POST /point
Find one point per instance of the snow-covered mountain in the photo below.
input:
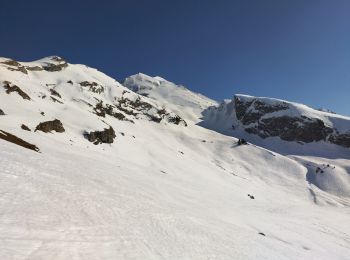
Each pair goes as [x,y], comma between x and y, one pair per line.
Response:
[91,169]
[269,120]
[179,99]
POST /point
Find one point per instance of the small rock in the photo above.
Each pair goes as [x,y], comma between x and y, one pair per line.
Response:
[251,196]
[24,127]
[242,141]
[2,113]
[55,93]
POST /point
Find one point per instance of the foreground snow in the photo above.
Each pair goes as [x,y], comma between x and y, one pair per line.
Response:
[142,199]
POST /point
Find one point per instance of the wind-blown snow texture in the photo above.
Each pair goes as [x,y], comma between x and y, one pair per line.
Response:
[166,188]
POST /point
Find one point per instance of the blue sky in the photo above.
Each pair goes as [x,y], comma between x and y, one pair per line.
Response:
[297,50]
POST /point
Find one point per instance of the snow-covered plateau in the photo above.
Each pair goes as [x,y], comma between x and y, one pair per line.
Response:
[91,168]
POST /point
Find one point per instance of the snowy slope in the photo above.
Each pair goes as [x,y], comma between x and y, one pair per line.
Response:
[161,190]
[179,99]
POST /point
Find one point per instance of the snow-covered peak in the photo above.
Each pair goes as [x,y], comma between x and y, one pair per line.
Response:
[186,103]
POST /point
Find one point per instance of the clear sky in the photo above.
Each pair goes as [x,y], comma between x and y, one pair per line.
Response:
[297,50]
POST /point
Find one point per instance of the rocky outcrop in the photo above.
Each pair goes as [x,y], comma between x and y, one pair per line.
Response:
[13,88]
[2,113]
[34,68]
[276,118]
[292,129]
[104,136]
[55,93]
[58,64]
[341,139]
[103,110]
[251,111]
[48,126]
[18,141]
[175,119]
[15,66]
[139,107]
[93,87]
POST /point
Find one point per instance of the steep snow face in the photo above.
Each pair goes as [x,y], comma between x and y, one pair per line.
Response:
[268,117]
[152,188]
[179,99]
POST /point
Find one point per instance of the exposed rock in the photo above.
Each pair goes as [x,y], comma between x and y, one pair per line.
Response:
[56,100]
[15,66]
[55,93]
[55,67]
[93,86]
[13,88]
[251,196]
[341,139]
[257,117]
[59,64]
[70,82]
[20,68]
[34,68]
[251,111]
[2,113]
[49,126]
[175,119]
[105,136]
[15,140]
[11,63]
[101,111]
[24,127]
[242,141]
[139,107]
[57,58]
[292,129]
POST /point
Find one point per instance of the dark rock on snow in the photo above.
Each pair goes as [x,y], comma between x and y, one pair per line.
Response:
[104,136]
[49,126]
[24,127]
[2,113]
[15,66]
[58,65]
[93,86]
[13,88]
[15,140]
[55,93]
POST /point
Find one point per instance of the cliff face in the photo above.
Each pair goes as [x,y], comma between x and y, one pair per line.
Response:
[268,117]
[289,121]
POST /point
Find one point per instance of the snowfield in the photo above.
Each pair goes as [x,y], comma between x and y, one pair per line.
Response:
[160,190]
